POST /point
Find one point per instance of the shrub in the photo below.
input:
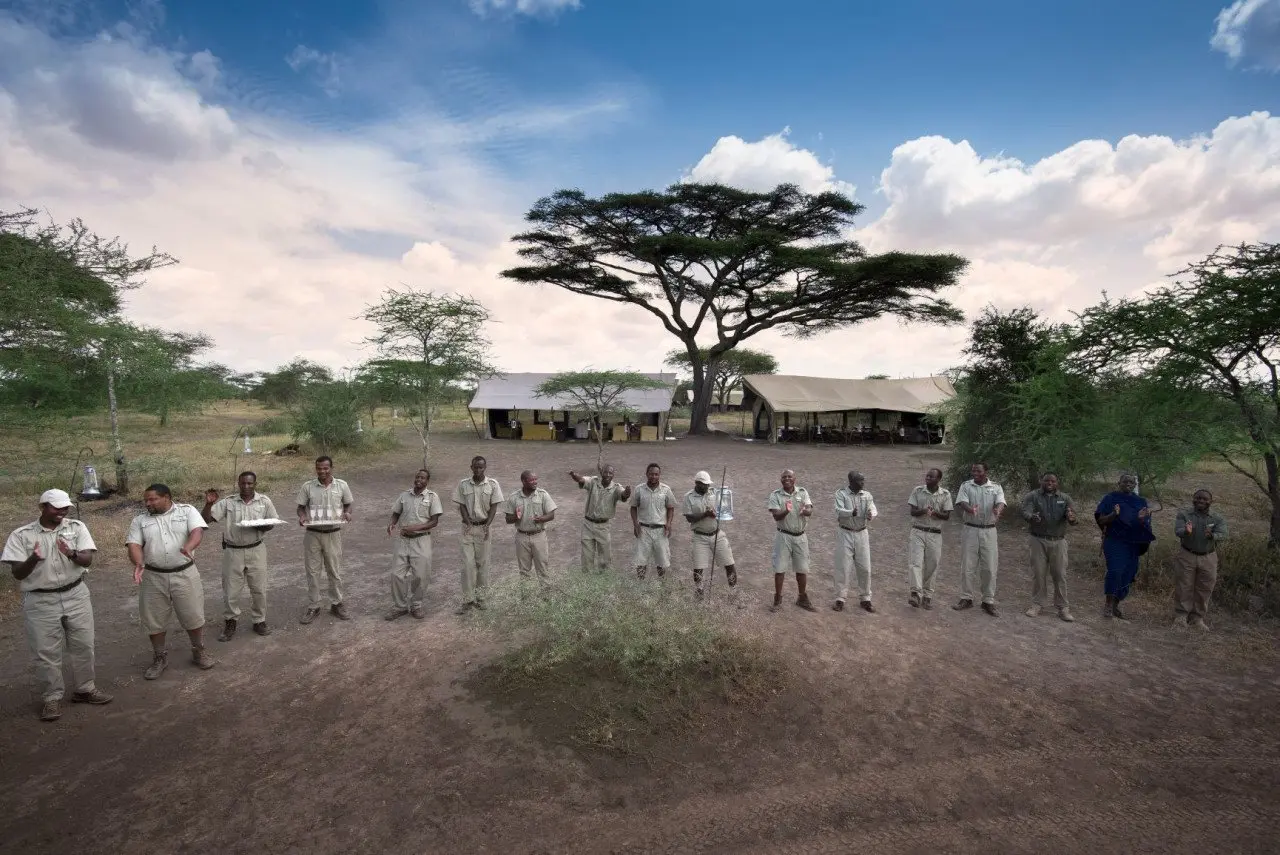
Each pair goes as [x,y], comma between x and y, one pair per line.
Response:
[328,415]
[280,425]
[1247,573]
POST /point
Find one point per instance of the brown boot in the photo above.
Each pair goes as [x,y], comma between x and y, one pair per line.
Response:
[339,611]
[228,630]
[97,697]
[159,661]
[803,602]
[201,658]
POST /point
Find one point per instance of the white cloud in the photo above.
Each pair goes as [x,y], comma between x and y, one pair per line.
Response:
[524,7]
[764,164]
[323,65]
[1249,30]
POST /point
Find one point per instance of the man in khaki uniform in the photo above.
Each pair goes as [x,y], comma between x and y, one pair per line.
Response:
[244,552]
[791,507]
[477,498]
[529,509]
[416,512]
[1196,564]
[49,558]
[930,505]
[1049,512]
[981,501]
[603,496]
[855,508]
[710,543]
[324,506]
[653,507]
[162,543]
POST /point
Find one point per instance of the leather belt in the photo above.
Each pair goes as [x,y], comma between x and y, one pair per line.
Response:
[416,536]
[324,530]
[653,525]
[930,530]
[226,545]
[66,587]
[596,521]
[981,525]
[792,533]
[707,533]
[1201,554]
[155,569]
[851,528]
[529,533]
[1049,536]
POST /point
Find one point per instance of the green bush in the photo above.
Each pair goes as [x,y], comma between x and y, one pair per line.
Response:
[328,415]
[1248,574]
[280,425]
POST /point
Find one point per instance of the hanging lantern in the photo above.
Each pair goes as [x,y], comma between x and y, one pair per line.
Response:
[359,426]
[248,448]
[724,504]
[90,485]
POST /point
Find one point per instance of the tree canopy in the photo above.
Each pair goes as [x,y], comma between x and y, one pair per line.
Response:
[707,259]
[729,368]
[601,394]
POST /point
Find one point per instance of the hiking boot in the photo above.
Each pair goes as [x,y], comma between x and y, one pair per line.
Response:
[732,577]
[1180,622]
[51,711]
[159,662]
[261,628]
[867,607]
[228,630]
[464,608]
[1200,626]
[97,697]
[309,615]
[1065,614]
[418,612]
[927,603]
[201,658]
[962,605]
[803,602]
[1034,611]
[839,606]
[914,600]
[640,571]
[1115,612]
[339,611]
[395,613]
[990,608]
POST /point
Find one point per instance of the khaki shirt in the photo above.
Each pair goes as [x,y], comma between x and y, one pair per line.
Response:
[55,569]
[1052,508]
[324,503]
[535,504]
[792,523]
[695,504]
[414,509]
[651,505]
[1199,540]
[162,536]
[847,501]
[478,498]
[940,501]
[982,499]
[602,501]
[234,510]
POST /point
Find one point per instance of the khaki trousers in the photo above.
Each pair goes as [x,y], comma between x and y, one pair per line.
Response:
[979,560]
[43,616]
[475,563]
[322,553]
[652,547]
[924,554]
[241,568]
[162,595]
[710,549]
[532,554]
[410,571]
[597,546]
[790,553]
[1194,579]
[1048,561]
[853,552]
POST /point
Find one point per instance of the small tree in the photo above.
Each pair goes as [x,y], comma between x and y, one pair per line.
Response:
[600,394]
[427,344]
[728,369]
[286,386]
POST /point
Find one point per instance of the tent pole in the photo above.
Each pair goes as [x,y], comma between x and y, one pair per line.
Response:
[472,416]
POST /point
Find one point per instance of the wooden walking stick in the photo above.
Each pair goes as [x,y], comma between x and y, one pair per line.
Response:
[715,541]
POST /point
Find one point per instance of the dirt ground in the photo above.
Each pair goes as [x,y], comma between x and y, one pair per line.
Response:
[911,731]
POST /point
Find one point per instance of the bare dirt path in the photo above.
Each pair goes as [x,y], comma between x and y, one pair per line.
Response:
[914,732]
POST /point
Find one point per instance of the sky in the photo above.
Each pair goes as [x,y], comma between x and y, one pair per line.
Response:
[301,157]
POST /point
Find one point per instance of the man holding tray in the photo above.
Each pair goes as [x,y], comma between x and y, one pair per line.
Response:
[324,506]
[247,516]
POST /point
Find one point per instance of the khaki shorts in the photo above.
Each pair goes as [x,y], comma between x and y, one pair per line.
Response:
[790,553]
[652,547]
[162,595]
[703,559]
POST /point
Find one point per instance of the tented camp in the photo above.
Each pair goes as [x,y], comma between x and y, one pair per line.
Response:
[787,408]
[511,410]
[733,400]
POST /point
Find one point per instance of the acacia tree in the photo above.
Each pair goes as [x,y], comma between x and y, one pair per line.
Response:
[427,344]
[706,258]
[729,369]
[601,394]
[1217,328]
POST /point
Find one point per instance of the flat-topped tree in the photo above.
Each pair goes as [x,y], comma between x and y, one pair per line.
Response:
[729,369]
[706,258]
[602,394]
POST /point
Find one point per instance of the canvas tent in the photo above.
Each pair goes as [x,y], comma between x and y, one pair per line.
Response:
[511,410]
[733,400]
[789,407]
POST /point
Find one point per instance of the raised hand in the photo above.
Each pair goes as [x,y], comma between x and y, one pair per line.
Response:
[210,496]
[1144,513]
[1189,528]
[1115,512]
[64,549]
[36,553]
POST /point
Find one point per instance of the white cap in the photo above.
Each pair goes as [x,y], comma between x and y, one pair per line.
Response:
[56,498]
[702,478]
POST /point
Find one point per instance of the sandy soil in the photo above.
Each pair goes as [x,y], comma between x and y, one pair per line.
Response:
[911,731]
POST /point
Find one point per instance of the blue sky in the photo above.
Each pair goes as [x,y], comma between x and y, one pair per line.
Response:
[438,123]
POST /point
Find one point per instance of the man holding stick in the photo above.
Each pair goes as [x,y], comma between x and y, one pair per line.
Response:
[710,544]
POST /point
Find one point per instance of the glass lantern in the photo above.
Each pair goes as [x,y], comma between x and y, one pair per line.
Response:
[724,503]
[248,448]
[90,484]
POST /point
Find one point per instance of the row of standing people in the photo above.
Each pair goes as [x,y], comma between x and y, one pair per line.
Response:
[49,557]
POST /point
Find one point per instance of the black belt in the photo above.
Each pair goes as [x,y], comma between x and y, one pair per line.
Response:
[792,533]
[594,520]
[416,536]
[1201,554]
[324,530]
[529,533]
[930,530]
[155,569]
[1049,536]
[654,525]
[851,528]
[981,525]
[707,533]
[226,545]
[66,587]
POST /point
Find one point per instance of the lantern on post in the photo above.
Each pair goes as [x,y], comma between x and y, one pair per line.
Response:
[248,448]
[89,486]
[359,426]
[724,503]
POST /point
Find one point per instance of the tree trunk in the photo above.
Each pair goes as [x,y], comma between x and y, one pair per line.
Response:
[703,389]
[1273,491]
[122,470]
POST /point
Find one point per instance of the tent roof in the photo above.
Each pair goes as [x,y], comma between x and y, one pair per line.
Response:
[791,394]
[515,392]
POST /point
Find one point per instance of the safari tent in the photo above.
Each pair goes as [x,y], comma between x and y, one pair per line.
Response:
[511,410]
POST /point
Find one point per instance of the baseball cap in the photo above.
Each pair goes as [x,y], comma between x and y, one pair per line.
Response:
[702,478]
[56,498]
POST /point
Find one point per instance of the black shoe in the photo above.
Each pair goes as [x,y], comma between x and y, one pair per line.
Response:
[339,611]
[962,605]
[867,607]
[914,600]
[990,608]
[228,630]
[262,629]
[1115,611]
[464,608]
[927,604]
[839,606]
[308,616]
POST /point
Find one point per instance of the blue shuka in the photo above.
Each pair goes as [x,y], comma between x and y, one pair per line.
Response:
[1124,540]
